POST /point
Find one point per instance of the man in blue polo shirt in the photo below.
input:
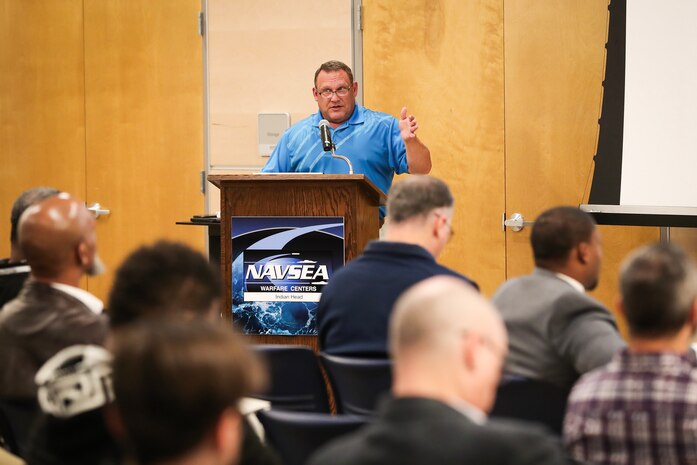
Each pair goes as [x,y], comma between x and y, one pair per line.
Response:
[377,144]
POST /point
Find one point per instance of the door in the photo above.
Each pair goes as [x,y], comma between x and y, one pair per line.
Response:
[42,110]
[554,65]
[113,115]
[144,110]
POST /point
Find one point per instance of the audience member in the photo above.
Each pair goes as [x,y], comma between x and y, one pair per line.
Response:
[14,270]
[448,345]
[75,388]
[57,237]
[165,278]
[641,408]
[355,306]
[171,280]
[557,332]
[177,385]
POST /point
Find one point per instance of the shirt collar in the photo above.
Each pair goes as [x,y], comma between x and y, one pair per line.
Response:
[394,247]
[572,282]
[470,411]
[91,301]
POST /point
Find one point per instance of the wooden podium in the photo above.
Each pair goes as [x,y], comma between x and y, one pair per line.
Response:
[351,196]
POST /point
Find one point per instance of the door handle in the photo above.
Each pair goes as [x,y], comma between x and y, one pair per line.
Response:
[97,210]
[516,222]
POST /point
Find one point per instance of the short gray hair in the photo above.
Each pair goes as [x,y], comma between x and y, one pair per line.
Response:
[416,196]
[659,286]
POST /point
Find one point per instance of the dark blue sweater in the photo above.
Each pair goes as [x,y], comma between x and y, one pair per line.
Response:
[355,307]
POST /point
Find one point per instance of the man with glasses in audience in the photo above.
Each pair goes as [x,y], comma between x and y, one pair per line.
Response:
[448,345]
[355,306]
[377,144]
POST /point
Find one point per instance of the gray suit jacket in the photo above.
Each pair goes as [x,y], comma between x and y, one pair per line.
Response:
[556,333]
[420,431]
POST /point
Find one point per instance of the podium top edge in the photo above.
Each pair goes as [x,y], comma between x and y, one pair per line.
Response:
[218,179]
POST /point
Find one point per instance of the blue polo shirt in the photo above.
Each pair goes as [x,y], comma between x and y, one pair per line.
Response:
[370,139]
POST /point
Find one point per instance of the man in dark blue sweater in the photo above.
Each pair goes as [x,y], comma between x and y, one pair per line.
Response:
[355,307]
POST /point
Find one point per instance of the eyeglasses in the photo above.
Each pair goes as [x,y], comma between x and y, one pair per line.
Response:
[340,92]
[448,222]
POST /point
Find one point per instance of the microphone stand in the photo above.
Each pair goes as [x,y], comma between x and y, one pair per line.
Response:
[348,162]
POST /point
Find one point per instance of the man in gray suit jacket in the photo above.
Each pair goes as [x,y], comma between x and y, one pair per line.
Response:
[557,332]
[448,344]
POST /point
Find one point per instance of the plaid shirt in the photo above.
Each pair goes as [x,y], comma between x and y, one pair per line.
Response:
[640,409]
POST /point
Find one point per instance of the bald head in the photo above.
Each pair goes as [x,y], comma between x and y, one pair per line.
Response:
[448,342]
[57,238]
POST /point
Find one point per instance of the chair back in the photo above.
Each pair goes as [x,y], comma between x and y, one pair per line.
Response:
[297,435]
[358,383]
[7,435]
[532,400]
[295,378]
[12,278]
[17,418]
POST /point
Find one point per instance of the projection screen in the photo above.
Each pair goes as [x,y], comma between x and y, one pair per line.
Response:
[647,150]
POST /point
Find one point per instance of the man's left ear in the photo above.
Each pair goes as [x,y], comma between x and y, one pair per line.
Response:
[469,350]
[437,225]
[83,254]
[583,252]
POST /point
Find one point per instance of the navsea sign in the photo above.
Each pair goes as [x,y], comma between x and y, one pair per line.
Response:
[279,267]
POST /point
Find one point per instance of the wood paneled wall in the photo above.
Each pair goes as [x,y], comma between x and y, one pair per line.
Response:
[104,99]
[42,107]
[508,95]
[444,60]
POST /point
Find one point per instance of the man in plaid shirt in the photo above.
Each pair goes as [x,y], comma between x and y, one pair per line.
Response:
[641,408]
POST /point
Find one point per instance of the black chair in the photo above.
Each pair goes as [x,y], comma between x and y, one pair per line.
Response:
[532,400]
[12,278]
[19,416]
[7,435]
[295,381]
[358,383]
[297,435]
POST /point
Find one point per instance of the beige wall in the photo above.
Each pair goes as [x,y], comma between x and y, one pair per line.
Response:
[261,58]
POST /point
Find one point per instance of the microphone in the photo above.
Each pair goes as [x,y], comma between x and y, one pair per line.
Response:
[328,145]
[326,136]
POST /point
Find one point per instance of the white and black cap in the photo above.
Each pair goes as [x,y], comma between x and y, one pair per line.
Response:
[75,380]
